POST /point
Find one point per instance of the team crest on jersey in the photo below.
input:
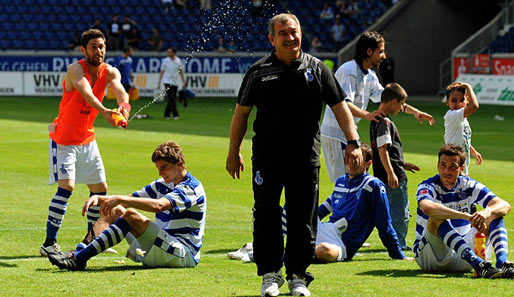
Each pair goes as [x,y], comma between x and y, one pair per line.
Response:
[423,192]
[308,75]
[258,179]
[269,77]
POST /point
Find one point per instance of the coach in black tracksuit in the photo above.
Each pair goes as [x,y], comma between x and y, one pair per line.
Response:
[288,88]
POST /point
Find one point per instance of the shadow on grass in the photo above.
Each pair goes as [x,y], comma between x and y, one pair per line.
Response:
[221,251]
[13,258]
[7,258]
[95,269]
[7,265]
[414,273]
[367,250]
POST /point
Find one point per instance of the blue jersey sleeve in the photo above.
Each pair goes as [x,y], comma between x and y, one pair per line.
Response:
[425,191]
[148,191]
[325,208]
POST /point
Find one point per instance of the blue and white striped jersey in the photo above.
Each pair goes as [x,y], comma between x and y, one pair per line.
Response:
[467,192]
[186,219]
[363,201]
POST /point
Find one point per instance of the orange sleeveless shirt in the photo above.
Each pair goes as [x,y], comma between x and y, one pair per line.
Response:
[74,124]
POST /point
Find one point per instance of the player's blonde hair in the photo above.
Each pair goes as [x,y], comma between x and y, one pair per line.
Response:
[170,152]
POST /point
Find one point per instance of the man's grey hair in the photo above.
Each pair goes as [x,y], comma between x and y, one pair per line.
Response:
[282,18]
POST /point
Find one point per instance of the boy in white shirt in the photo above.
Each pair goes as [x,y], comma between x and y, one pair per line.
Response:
[462,102]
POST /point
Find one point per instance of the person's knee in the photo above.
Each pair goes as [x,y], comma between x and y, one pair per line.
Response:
[66,184]
[138,223]
[131,215]
[326,253]
[98,188]
[433,225]
[116,213]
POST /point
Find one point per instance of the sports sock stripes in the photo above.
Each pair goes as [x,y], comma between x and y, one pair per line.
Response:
[93,213]
[456,242]
[113,235]
[499,240]
[56,212]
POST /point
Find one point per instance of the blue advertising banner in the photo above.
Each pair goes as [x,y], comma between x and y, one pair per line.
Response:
[220,64]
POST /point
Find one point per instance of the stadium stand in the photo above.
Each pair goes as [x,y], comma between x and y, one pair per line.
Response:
[503,43]
[49,25]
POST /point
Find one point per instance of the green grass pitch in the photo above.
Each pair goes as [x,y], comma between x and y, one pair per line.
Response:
[202,131]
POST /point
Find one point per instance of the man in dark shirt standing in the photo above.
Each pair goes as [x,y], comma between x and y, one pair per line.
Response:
[288,88]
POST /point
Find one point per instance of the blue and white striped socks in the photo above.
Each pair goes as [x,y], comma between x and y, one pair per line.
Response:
[456,242]
[499,240]
[93,213]
[113,235]
[56,212]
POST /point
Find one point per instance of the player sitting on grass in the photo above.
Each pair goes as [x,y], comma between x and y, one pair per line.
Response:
[358,204]
[444,233]
[176,236]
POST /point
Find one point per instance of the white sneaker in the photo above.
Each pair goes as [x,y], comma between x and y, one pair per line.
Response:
[271,283]
[244,254]
[297,286]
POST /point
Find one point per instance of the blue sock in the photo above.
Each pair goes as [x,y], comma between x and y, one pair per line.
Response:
[80,247]
[499,240]
[93,213]
[113,235]
[56,212]
[456,242]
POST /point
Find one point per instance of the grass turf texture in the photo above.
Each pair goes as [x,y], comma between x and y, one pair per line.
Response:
[202,131]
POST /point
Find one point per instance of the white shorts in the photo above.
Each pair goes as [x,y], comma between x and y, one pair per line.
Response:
[81,163]
[333,151]
[158,256]
[328,232]
[450,260]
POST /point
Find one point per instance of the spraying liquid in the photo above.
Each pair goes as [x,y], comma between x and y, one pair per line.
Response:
[222,21]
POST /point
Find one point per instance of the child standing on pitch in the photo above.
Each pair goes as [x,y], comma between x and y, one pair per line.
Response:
[462,102]
[388,164]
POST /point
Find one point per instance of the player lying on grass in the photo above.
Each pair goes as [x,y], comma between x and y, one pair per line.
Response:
[176,236]
[358,204]
[444,233]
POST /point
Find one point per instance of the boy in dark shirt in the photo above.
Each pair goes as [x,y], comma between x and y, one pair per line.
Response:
[388,164]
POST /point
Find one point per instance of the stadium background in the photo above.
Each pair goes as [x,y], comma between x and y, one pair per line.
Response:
[429,40]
